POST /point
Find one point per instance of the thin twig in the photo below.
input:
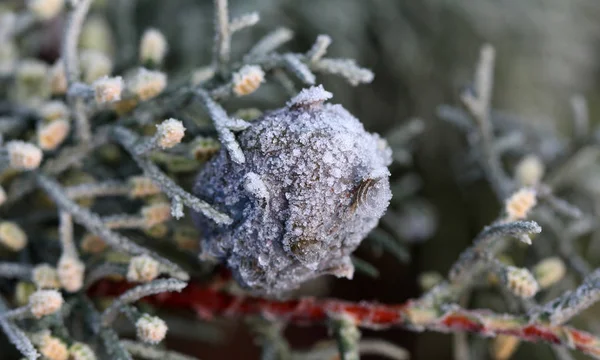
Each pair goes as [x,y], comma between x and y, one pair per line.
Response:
[221,121]
[71,38]
[145,351]
[16,336]
[106,188]
[479,105]
[138,292]
[93,223]
[14,270]
[71,64]
[128,139]
[65,230]
[222,36]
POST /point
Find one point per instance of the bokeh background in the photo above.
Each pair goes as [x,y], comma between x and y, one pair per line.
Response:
[422,52]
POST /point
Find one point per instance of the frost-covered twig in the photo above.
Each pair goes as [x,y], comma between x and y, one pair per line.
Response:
[14,270]
[112,344]
[376,347]
[135,187]
[298,68]
[152,288]
[346,68]
[269,43]
[319,48]
[119,221]
[486,244]
[19,313]
[109,337]
[145,351]
[269,334]
[478,102]
[16,336]
[128,139]
[243,22]
[71,38]
[65,230]
[347,336]
[571,303]
[106,188]
[70,269]
[74,155]
[67,158]
[102,271]
[565,240]
[71,64]
[222,36]
[558,205]
[221,121]
[93,223]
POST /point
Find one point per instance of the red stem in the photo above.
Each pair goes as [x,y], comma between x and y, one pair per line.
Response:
[209,302]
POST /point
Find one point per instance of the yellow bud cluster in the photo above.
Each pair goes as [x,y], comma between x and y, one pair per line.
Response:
[520,204]
[150,329]
[45,277]
[529,171]
[141,186]
[520,282]
[23,155]
[12,236]
[70,273]
[81,351]
[51,135]
[153,47]
[549,271]
[156,214]
[108,89]
[45,302]
[92,244]
[146,84]
[53,110]
[169,133]
[45,9]
[247,80]
[53,348]
[142,268]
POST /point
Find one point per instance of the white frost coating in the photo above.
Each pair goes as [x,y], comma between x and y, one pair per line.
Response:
[255,186]
[379,173]
[224,126]
[318,210]
[237,124]
[310,96]
[302,71]
[177,208]
[346,68]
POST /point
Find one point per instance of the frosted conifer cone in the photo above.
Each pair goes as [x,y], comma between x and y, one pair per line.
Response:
[313,185]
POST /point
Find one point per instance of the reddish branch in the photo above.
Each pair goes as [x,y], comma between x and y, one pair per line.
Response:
[208,302]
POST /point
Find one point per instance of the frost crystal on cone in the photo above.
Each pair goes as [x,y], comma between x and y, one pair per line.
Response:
[313,185]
